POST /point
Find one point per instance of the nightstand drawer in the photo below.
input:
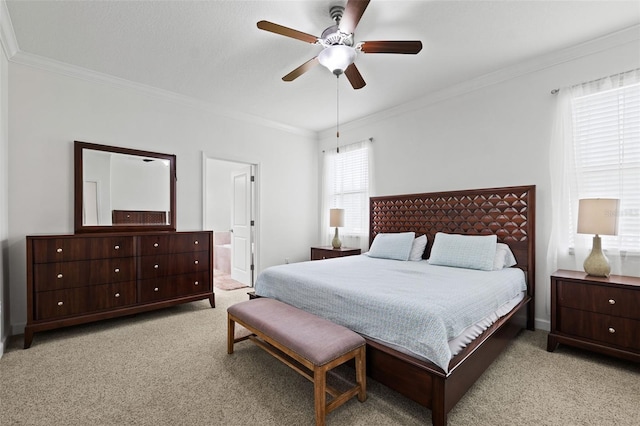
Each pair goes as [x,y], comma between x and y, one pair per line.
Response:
[621,332]
[597,298]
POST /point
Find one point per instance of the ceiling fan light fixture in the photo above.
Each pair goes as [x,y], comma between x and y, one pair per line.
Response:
[337,58]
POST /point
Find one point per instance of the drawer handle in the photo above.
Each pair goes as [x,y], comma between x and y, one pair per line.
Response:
[59,276]
[156,266]
[117,294]
[612,302]
[196,283]
[155,244]
[116,247]
[155,289]
[612,330]
[117,270]
[195,242]
[60,303]
[196,262]
[59,250]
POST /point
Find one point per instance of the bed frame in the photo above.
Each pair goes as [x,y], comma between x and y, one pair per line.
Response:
[509,213]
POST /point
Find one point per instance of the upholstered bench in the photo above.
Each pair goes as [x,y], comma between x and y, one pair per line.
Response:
[309,344]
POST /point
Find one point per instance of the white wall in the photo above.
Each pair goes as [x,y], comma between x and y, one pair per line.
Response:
[138,185]
[494,136]
[48,111]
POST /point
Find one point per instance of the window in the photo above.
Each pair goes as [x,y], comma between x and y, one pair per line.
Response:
[346,185]
[351,188]
[606,153]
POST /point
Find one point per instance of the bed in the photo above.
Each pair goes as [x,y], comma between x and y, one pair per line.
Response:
[431,379]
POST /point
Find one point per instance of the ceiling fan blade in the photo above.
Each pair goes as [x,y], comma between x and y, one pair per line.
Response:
[407,47]
[354,77]
[288,32]
[352,14]
[301,69]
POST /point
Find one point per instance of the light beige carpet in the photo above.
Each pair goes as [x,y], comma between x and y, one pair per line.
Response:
[171,368]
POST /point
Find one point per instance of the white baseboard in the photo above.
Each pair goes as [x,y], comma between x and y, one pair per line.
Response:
[542,324]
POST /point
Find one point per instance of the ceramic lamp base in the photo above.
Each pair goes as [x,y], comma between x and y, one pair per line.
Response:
[597,264]
[336,243]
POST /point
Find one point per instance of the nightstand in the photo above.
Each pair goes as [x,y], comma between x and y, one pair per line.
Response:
[598,314]
[328,252]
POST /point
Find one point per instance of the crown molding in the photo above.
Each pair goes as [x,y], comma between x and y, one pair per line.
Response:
[73,71]
[13,54]
[7,35]
[539,63]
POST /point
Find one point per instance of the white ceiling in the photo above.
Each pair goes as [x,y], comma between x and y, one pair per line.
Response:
[213,52]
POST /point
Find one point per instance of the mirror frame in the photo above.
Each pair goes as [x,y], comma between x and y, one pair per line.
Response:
[78,189]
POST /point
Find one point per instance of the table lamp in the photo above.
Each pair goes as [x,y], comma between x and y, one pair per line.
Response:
[336,219]
[597,216]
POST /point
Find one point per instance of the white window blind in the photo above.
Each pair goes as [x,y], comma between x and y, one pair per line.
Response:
[606,142]
[350,189]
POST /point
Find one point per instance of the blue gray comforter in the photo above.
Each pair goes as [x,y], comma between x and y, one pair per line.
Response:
[412,306]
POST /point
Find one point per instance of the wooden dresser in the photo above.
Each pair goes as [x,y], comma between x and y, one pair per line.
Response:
[599,314]
[75,279]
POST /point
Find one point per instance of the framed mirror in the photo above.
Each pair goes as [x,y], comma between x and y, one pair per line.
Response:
[120,189]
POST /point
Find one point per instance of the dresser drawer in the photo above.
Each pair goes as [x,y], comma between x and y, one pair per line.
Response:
[81,300]
[599,298]
[61,303]
[114,295]
[175,264]
[174,286]
[621,332]
[173,243]
[60,275]
[48,250]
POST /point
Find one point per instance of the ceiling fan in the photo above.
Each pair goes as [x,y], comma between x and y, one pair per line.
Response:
[339,49]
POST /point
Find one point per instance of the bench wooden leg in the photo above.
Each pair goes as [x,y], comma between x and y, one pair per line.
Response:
[320,394]
[230,334]
[361,374]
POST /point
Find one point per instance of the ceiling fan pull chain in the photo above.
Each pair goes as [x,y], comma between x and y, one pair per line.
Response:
[337,113]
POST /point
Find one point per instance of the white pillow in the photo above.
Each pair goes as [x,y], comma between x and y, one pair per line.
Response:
[504,257]
[417,249]
[392,246]
[464,251]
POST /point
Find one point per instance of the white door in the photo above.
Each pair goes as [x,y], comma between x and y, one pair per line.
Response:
[241,226]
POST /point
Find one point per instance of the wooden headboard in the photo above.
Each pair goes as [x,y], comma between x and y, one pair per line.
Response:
[507,212]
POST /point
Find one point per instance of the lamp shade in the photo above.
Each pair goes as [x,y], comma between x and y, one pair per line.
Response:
[337,58]
[598,216]
[336,218]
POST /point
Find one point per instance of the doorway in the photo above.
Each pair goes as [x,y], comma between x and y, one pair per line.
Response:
[229,204]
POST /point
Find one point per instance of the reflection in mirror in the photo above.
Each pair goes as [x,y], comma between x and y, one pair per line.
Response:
[123,188]
[117,185]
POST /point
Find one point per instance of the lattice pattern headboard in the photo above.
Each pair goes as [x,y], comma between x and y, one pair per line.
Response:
[507,212]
